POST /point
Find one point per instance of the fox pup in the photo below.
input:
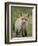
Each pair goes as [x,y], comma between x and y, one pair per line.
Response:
[21,26]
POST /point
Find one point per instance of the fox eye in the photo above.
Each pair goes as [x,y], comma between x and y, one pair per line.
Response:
[22,18]
[25,19]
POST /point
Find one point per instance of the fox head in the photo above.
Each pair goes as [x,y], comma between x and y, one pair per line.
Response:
[25,18]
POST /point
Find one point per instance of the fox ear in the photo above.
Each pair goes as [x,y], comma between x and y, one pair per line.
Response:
[27,15]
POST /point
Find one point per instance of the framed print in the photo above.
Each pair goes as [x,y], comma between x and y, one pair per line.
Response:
[20,22]
[37,23]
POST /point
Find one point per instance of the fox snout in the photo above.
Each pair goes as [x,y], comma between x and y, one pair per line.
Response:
[23,22]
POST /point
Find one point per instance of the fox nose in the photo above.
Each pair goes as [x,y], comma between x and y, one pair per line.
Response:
[23,22]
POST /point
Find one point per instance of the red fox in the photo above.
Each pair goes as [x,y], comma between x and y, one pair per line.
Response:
[21,25]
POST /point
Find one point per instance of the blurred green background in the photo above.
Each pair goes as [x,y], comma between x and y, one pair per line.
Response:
[16,12]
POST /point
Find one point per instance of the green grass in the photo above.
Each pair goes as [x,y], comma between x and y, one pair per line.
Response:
[29,33]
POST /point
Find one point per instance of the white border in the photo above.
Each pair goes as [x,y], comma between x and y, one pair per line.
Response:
[33,24]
